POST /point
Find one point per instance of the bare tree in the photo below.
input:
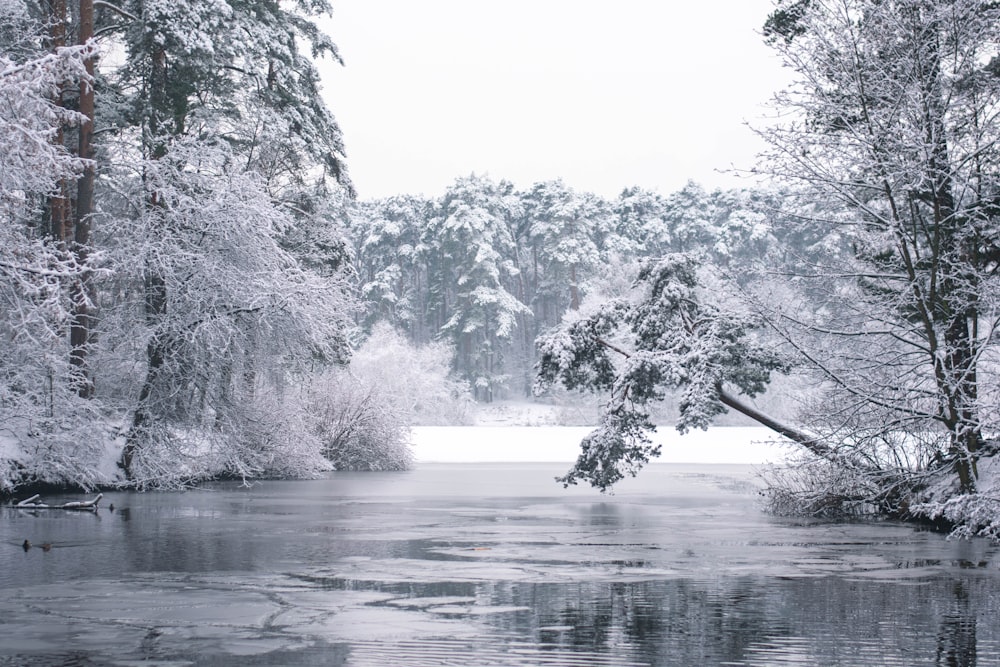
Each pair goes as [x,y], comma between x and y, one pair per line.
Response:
[891,125]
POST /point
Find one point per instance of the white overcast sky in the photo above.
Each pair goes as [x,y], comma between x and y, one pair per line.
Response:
[604,95]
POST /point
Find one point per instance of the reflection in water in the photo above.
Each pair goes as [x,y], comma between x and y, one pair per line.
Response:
[417,569]
[745,621]
[956,641]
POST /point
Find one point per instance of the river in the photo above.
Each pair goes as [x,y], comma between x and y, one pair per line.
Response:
[486,564]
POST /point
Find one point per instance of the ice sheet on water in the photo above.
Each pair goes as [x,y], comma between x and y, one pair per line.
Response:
[380,623]
[426,602]
[373,570]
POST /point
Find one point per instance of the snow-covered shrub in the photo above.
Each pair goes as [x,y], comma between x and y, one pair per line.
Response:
[170,458]
[966,514]
[73,448]
[259,437]
[359,426]
[414,378]
[272,439]
[969,514]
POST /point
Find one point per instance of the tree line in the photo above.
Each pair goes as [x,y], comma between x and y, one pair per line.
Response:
[487,267]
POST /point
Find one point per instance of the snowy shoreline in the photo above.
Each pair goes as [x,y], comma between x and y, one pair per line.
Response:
[561,444]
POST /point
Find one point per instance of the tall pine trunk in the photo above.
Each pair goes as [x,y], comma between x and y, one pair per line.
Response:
[81,288]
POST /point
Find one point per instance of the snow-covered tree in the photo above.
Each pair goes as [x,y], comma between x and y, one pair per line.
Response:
[239,311]
[564,230]
[640,221]
[391,261]
[892,123]
[667,335]
[729,226]
[471,247]
[38,389]
[33,162]
[233,68]
[238,155]
[67,216]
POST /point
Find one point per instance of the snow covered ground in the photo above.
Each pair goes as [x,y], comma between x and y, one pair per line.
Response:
[528,433]
[509,432]
[544,444]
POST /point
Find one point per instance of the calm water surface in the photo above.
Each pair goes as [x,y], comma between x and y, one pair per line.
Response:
[486,564]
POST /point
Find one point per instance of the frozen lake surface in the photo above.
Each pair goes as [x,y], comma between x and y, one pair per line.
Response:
[486,564]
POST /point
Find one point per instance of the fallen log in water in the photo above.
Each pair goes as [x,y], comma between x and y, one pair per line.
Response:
[33,504]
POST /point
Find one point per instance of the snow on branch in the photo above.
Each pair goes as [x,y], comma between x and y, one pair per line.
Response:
[666,338]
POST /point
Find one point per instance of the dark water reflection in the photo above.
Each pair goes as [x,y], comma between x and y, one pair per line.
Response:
[486,565]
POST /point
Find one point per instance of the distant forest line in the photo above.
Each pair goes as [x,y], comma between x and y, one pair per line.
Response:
[486,267]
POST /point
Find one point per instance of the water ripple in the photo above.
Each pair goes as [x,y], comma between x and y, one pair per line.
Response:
[494,653]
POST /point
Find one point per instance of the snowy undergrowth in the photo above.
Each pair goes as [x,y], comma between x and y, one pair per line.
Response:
[266,442]
[175,458]
[808,486]
[811,486]
[58,452]
[362,414]
[414,379]
[344,418]
[968,514]
[358,426]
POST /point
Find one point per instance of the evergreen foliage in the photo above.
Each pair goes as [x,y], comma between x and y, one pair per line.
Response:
[489,268]
[669,337]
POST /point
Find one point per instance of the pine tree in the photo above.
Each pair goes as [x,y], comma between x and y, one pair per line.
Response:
[471,247]
[391,260]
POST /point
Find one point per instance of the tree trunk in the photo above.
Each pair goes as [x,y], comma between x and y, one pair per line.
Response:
[815,446]
[143,417]
[954,307]
[155,297]
[574,289]
[81,290]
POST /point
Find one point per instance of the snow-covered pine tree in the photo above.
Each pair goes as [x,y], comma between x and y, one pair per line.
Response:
[39,403]
[639,221]
[668,336]
[470,246]
[564,230]
[391,261]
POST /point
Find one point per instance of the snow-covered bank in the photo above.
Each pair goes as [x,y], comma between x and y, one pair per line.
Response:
[537,444]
